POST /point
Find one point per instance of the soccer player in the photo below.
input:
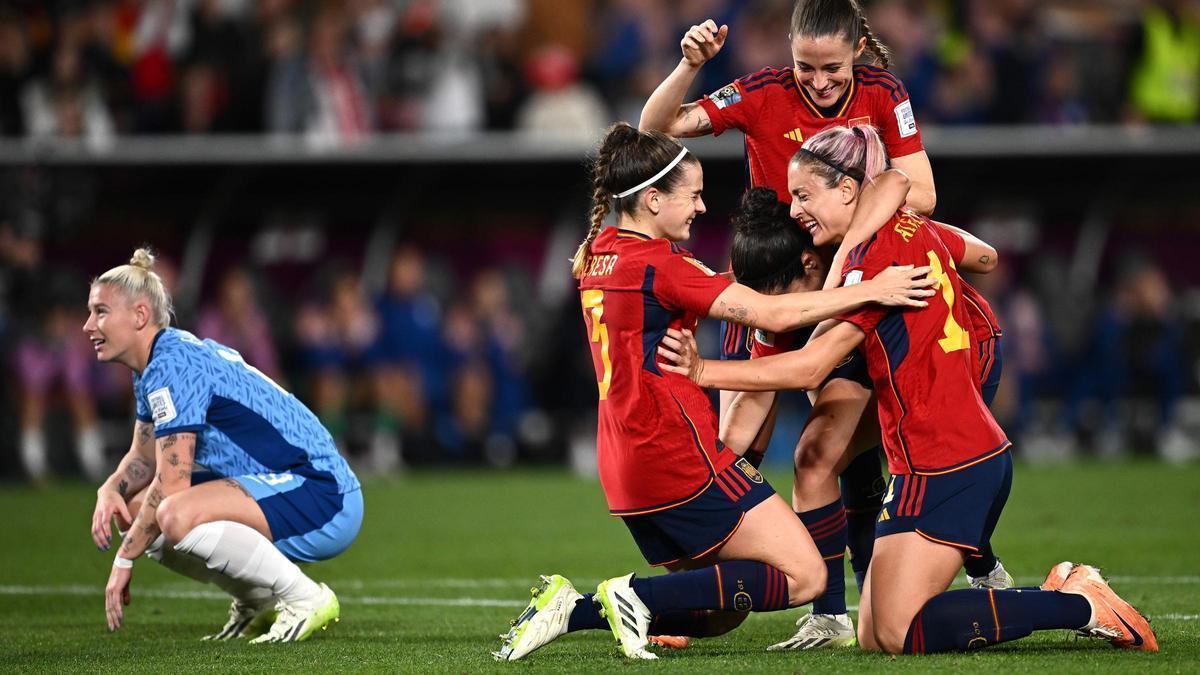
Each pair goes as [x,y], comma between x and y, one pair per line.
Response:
[690,504]
[949,460]
[777,109]
[229,478]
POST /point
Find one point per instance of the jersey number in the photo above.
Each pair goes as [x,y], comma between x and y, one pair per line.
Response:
[594,301]
[955,337]
[237,358]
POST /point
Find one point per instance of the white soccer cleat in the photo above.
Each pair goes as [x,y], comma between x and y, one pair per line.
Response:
[997,580]
[246,620]
[542,621]
[298,621]
[820,631]
[627,615]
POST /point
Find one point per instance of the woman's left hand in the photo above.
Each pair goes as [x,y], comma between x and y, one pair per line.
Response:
[678,348]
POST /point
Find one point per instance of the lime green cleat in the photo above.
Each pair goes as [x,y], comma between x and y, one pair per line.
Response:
[246,620]
[627,615]
[542,621]
[297,622]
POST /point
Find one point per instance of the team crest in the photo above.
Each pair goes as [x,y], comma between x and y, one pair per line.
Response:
[726,96]
[864,121]
[742,602]
[748,469]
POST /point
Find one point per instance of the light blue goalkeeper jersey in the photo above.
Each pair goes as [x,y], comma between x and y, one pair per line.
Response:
[244,422]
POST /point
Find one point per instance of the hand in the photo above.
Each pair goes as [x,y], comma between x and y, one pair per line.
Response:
[903,286]
[108,504]
[702,42]
[116,594]
[679,349]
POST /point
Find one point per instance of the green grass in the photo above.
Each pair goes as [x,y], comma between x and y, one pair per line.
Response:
[433,538]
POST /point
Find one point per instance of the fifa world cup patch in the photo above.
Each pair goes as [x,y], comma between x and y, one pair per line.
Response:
[764,338]
[700,266]
[905,119]
[162,408]
[852,277]
[726,96]
[748,470]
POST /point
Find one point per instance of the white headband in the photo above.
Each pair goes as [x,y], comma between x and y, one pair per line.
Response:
[654,179]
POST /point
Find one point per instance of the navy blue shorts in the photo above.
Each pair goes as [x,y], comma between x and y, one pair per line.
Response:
[698,527]
[735,342]
[991,361]
[853,368]
[958,509]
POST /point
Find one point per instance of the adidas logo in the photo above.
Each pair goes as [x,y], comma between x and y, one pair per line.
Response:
[628,616]
[883,515]
[795,135]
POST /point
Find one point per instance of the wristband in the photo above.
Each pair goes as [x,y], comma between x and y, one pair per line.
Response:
[123,563]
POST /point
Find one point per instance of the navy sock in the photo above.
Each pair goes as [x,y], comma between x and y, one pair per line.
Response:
[739,585]
[586,615]
[982,563]
[827,527]
[862,493]
[698,623]
[973,618]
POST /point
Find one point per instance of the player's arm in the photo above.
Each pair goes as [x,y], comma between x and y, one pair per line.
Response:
[898,286]
[922,197]
[133,473]
[745,420]
[806,368]
[877,203]
[665,110]
[979,256]
[175,456]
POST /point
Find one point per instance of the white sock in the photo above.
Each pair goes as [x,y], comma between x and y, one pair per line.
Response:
[240,552]
[90,446]
[194,568]
[33,453]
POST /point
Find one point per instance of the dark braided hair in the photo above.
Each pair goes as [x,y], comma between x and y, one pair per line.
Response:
[767,243]
[821,18]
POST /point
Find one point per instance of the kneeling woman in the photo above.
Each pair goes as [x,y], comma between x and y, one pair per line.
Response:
[947,456]
[229,478]
[690,504]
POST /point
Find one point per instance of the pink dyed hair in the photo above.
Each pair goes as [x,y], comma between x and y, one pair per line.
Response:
[856,151]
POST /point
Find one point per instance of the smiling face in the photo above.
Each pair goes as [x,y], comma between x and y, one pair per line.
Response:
[113,322]
[823,211]
[825,66]
[676,209]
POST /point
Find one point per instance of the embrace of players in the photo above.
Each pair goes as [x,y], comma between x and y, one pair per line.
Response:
[821,137]
[229,479]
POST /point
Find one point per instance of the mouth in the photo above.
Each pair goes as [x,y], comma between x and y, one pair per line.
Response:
[827,92]
[811,226]
[97,343]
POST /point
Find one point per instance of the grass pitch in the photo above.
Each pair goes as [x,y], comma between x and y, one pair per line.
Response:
[445,559]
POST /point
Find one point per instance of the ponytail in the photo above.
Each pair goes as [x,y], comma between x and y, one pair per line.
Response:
[857,152]
[137,279]
[883,55]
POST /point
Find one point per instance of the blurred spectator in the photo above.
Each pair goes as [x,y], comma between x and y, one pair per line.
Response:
[560,103]
[16,68]
[1165,86]
[69,103]
[236,319]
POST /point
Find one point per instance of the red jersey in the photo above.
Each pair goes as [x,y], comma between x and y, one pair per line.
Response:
[984,325]
[776,115]
[921,361]
[656,435]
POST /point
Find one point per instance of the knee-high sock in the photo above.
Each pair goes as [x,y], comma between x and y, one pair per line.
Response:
[862,494]
[982,563]
[698,623]
[240,552]
[739,585]
[971,618]
[827,527]
[194,568]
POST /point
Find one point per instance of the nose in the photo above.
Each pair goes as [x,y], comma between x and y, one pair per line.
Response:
[700,208]
[795,212]
[87,325]
[819,81]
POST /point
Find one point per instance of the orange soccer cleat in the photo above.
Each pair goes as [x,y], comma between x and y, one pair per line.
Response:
[1112,618]
[1058,576]
[670,641]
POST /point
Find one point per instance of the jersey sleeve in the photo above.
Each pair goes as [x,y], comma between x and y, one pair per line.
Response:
[894,112]
[139,396]
[177,399]
[733,106]
[864,262]
[766,343]
[683,283]
[955,244]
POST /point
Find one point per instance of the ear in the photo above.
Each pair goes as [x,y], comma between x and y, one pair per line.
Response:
[848,189]
[810,261]
[860,47]
[651,200]
[141,315]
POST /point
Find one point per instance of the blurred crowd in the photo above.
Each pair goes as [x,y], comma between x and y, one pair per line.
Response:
[336,72]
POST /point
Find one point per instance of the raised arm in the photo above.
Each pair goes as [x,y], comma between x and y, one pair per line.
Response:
[979,257]
[901,286]
[806,368]
[923,196]
[132,474]
[665,110]
[878,202]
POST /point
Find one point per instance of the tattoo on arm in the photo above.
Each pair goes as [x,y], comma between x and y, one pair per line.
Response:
[168,441]
[123,488]
[983,259]
[736,313]
[145,432]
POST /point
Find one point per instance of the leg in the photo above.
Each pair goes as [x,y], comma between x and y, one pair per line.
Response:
[907,570]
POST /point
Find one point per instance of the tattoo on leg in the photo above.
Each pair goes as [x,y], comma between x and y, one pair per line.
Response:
[241,488]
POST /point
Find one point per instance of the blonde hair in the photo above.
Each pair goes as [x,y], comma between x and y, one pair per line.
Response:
[138,279]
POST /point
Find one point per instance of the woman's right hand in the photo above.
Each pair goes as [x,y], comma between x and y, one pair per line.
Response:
[108,504]
[702,42]
[903,286]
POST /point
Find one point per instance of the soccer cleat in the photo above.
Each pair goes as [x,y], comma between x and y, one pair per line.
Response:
[1112,618]
[246,620]
[670,641]
[543,620]
[1058,576]
[998,579]
[297,622]
[820,631]
[627,615]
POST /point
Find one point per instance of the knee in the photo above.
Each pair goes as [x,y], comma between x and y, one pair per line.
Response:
[174,519]
[804,587]
[866,635]
[890,639]
[814,461]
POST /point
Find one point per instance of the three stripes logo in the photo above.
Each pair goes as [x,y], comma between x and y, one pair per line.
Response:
[628,614]
[795,135]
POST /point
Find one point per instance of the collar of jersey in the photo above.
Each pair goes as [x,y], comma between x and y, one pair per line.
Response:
[816,110]
[630,233]
[154,343]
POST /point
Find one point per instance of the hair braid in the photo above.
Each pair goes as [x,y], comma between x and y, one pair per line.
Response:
[883,55]
[601,205]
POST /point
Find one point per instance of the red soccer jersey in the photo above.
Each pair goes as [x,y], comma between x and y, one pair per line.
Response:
[932,416]
[776,115]
[984,325]
[657,433]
